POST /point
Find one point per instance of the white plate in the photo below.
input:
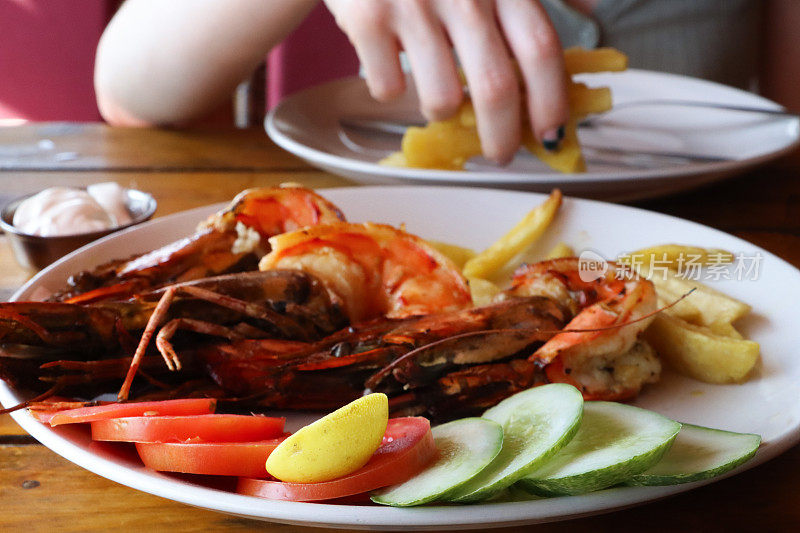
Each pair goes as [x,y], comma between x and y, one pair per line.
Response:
[766,404]
[307,124]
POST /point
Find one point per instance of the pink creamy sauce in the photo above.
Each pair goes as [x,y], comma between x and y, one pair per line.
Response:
[67,211]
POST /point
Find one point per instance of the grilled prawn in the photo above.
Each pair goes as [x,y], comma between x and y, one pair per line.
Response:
[337,309]
[601,351]
[229,241]
[374,269]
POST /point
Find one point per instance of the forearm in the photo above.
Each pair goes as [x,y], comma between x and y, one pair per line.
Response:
[165,63]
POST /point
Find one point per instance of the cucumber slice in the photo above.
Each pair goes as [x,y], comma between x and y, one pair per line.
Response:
[536,424]
[466,447]
[699,453]
[615,441]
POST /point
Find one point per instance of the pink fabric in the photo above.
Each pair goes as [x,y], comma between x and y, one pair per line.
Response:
[47,58]
[47,50]
[317,51]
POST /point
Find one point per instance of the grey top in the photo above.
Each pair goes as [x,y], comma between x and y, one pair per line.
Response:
[711,39]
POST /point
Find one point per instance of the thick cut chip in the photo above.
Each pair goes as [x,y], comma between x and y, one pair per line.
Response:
[520,237]
[580,60]
[568,158]
[677,257]
[445,144]
[457,254]
[696,351]
[560,250]
[449,144]
[704,306]
[483,291]
[585,100]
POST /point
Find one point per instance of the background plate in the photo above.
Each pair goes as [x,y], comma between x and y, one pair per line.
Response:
[307,124]
[766,404]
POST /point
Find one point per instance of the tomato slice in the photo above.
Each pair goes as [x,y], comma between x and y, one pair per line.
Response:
[188,406]
[42,416]
[212,458]
[198,428]
[407,448]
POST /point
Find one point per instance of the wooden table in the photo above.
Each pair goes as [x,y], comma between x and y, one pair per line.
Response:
[40,491]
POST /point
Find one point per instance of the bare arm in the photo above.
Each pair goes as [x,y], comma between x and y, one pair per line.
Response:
[165,63]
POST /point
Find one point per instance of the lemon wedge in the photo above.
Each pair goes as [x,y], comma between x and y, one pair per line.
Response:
[335,445]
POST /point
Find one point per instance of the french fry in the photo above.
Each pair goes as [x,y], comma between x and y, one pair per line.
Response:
[580,60]
[446,144]
[685,309]
[560,250]
[725,329]
[677,256]
[696,351]
[449,144]
[568,158]
[520,237]
[585,100]
[696,335]
[705,306]
[483,291]
[395,159]
[457,254]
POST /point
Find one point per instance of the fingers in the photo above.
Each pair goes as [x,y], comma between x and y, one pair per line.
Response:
[535,44]
[381,64]
[379,28]
[431,59]
[488,35]
[368,25]
[492,82]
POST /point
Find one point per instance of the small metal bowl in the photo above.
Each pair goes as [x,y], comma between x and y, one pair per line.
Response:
[35,252]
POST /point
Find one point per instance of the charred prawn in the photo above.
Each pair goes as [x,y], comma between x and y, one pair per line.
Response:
[338,309]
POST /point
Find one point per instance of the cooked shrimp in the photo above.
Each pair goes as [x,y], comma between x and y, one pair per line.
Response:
[274,210]
[374,269]
[231,240]
[610,363]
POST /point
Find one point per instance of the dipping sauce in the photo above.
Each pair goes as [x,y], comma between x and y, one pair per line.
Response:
[111,198]
[67,211]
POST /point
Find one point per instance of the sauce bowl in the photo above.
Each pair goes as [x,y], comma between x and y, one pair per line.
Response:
[34,252]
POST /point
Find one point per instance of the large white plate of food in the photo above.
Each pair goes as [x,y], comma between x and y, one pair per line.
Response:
[743,304]
[637,140]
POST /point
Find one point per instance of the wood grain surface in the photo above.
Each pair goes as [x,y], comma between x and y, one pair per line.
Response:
[91,146]
[40,491]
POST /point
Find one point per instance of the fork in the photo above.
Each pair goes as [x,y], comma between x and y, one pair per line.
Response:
[592,121]
[399,126]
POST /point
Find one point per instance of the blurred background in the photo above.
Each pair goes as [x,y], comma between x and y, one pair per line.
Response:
[47,58]
[47,50]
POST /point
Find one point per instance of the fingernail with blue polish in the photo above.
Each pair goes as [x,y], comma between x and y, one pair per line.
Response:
[552,138]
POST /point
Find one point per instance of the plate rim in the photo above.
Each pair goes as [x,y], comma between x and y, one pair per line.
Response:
[484,178]
[386,518]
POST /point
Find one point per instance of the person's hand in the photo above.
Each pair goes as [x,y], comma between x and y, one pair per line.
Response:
[488,36]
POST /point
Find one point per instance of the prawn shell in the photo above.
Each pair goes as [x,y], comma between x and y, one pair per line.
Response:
[374,269]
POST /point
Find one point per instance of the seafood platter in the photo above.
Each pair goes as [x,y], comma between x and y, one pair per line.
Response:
[527,382]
